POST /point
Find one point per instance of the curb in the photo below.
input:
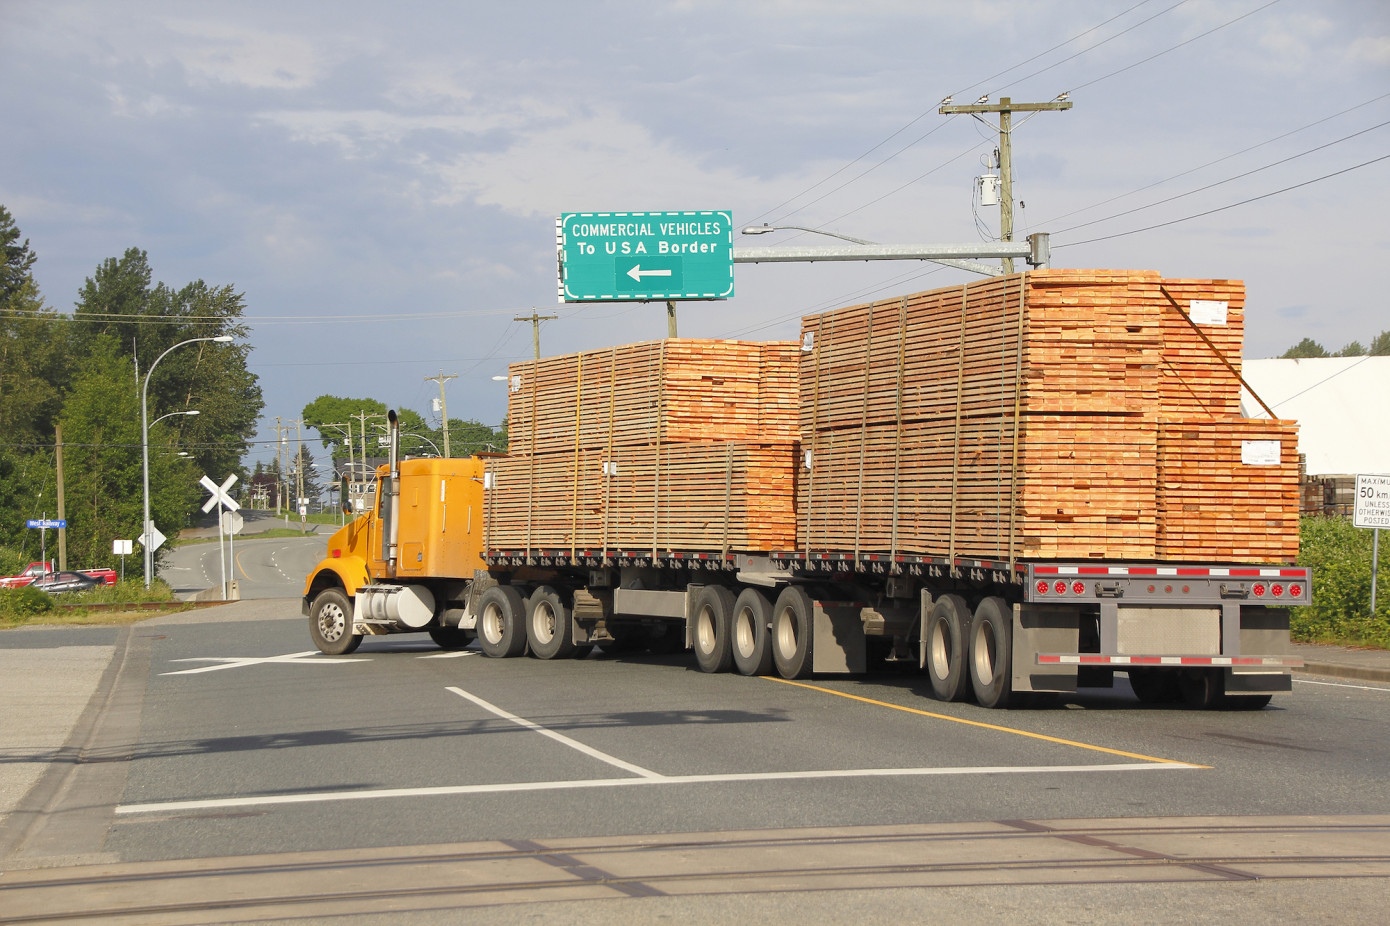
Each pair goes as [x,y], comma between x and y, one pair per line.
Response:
[1361,673]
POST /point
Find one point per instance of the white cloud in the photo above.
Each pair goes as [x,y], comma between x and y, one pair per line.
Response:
[221,52]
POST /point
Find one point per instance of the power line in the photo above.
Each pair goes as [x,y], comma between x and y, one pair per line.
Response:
[1243,202]
[1226,157]
[1218,183]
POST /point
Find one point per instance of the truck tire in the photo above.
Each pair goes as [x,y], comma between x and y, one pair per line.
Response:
[451,637]
[946,633]
[549,630]
[713,644]
[793,626]
[1155,686]
[751,632]
[991,653]
[501,622]
[330,623]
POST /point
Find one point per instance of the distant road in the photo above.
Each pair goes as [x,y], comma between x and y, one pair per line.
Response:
[264,567]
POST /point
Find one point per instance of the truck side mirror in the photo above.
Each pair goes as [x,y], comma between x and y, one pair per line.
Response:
[345,496]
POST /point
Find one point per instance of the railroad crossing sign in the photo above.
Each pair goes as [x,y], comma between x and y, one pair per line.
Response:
[219,493]
[621,256]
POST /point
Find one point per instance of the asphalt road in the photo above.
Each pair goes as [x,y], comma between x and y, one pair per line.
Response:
[263,567]
[627,789]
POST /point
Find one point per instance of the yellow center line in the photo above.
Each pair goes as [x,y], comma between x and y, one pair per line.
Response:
[986,726]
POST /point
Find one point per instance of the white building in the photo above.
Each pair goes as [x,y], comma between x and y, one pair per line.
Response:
[1342,405]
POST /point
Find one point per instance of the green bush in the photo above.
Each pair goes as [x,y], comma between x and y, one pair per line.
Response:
[19,604]
[1340,557]
[127,592]
[12,559]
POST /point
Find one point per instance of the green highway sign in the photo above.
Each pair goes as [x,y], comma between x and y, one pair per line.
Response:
[620,256]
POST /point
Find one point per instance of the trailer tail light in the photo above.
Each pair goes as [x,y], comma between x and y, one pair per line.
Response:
[1277,590]
[1259,590]
[1060,588]
[1295,591]
[1043,587]
[1078,588]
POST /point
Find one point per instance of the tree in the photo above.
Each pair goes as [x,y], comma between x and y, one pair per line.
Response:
[120,303]
[16,259]
[302,468]
[1305,348]
[1353,349]
[104,474]
[1380,347]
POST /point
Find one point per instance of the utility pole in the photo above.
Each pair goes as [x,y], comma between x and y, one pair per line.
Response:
[441,379]
[670,319]
[62,505]
[279,468]
[535,321]
[1005,108]
[362,417]
[299,465]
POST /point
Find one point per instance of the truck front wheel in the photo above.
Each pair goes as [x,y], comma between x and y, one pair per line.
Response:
[330,623]
[501,622]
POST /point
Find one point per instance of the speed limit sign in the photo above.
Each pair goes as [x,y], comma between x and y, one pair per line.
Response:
[1372,507]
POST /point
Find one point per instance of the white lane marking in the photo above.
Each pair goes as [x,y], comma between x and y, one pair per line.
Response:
[1304,681]
[451,655]
[237,662]
[322,797]
[557,737]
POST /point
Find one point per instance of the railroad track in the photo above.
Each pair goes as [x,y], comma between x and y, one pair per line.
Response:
[1006,853]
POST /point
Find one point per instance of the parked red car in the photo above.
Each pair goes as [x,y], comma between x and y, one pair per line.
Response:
[34,570]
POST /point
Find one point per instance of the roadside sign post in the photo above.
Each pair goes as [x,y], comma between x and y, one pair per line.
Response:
[1372,510]
[644,256]
[220,499]
[45,524]
[122,548]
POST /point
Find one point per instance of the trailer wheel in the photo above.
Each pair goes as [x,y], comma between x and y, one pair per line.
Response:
[501,616]
[714,608]
[451,637]
[1201,688]
[948,626]
[549,629]
[792,629]
[1155,686]
[751,631]
[330,623]
[991,653]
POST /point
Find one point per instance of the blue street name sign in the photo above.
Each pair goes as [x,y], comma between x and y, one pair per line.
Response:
[621,256]
[48,523]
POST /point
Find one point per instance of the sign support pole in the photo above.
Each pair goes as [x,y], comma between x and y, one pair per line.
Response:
[1375,567]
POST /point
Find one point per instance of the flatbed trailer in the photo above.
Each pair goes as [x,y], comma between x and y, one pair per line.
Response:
[1208,635]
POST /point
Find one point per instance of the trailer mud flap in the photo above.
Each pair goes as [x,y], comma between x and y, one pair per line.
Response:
[838,639]
[1044,629]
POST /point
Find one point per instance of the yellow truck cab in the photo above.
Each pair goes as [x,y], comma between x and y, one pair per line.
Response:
[404,565]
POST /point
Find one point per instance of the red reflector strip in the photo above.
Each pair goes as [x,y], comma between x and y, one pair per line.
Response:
[1093,659]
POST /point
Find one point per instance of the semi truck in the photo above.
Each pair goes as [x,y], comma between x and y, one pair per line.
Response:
[822,513]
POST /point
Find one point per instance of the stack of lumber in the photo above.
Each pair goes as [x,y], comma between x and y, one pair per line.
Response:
[682,445]
[680,389]
[1024,417]
[1193,381]
[1229,489]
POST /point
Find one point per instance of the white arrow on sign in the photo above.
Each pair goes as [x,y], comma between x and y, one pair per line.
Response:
[637,273]
[219,493]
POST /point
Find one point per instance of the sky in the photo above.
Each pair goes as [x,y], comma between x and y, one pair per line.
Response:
[381,181]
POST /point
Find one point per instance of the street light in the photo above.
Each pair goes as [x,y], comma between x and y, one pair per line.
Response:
[148,528]
[764,229]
